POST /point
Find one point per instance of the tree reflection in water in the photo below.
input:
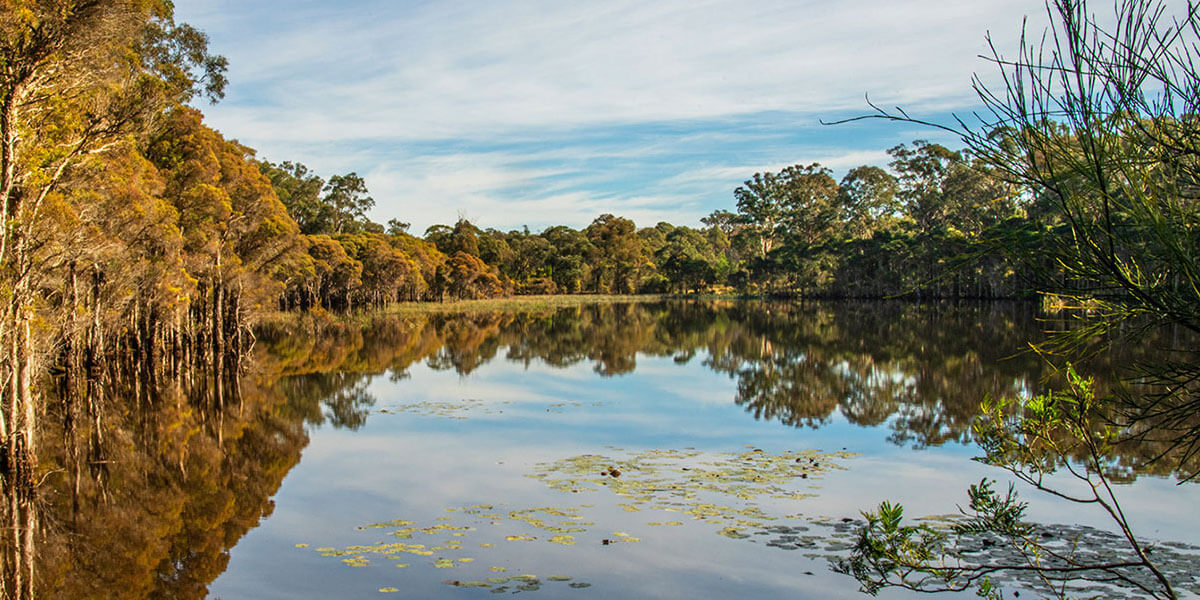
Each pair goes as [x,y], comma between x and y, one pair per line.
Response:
[146,498]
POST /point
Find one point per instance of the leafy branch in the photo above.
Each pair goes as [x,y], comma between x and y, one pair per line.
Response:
[1031,439]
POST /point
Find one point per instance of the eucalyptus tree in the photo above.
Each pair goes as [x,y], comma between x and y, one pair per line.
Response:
[397,227]
[868,201]
[76,78]
[300,191]
[810,205]
[568,264]
[922,170]
[464,237]
[617,256]
[426,258]
[237,238]
[724,220]
[760,206]
[346,202]
[386,270]
[531,262]
[787,217]
[337,274]
[465,277]
[495,250]
[440,236]
[687,260]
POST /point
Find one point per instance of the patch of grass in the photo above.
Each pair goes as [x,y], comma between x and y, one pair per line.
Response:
[278,323]
[513,304]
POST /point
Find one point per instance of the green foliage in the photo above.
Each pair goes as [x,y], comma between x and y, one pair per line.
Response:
[867,201]
[397,227]
[300,192]
[890,553]
[921,232]
[178,54]
[346,203]
[464,237]
[922,171]
[1031,439]
[1096,126]
[617,256]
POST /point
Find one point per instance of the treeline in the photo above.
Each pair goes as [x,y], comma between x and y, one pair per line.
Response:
[938,224]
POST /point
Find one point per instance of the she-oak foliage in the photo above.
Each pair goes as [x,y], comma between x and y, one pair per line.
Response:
[1096,125]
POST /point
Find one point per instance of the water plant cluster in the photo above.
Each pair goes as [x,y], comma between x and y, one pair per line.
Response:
[720,491]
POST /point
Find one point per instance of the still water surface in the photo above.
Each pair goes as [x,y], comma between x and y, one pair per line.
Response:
[464,456]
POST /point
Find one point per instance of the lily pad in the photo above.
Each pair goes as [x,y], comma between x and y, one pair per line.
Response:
[717,490]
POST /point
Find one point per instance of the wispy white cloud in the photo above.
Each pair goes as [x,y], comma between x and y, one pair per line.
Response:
[725,173]
[541,111]
[491,191]
[437,70]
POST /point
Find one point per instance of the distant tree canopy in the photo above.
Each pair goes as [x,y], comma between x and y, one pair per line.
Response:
[932,224]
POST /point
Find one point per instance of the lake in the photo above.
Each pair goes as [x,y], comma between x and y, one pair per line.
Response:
[670,449]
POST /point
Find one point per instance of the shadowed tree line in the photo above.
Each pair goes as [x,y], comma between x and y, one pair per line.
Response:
[938,224]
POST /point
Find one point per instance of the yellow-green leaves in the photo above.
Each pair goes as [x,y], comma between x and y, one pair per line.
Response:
[715,487]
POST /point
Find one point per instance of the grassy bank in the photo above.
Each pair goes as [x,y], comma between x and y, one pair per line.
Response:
[518,304]
[512,304]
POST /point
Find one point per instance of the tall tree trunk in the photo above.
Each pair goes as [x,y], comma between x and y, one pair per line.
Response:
[72,379]
[8,163]
[218,343]
[27,459]
[95,386]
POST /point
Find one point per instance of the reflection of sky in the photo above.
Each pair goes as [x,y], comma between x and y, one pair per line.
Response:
[413,466]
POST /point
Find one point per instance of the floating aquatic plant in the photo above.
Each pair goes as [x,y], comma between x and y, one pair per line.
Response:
[684,481]
[719,490]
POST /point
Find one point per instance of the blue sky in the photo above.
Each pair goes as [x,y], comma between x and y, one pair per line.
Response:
[538,113]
